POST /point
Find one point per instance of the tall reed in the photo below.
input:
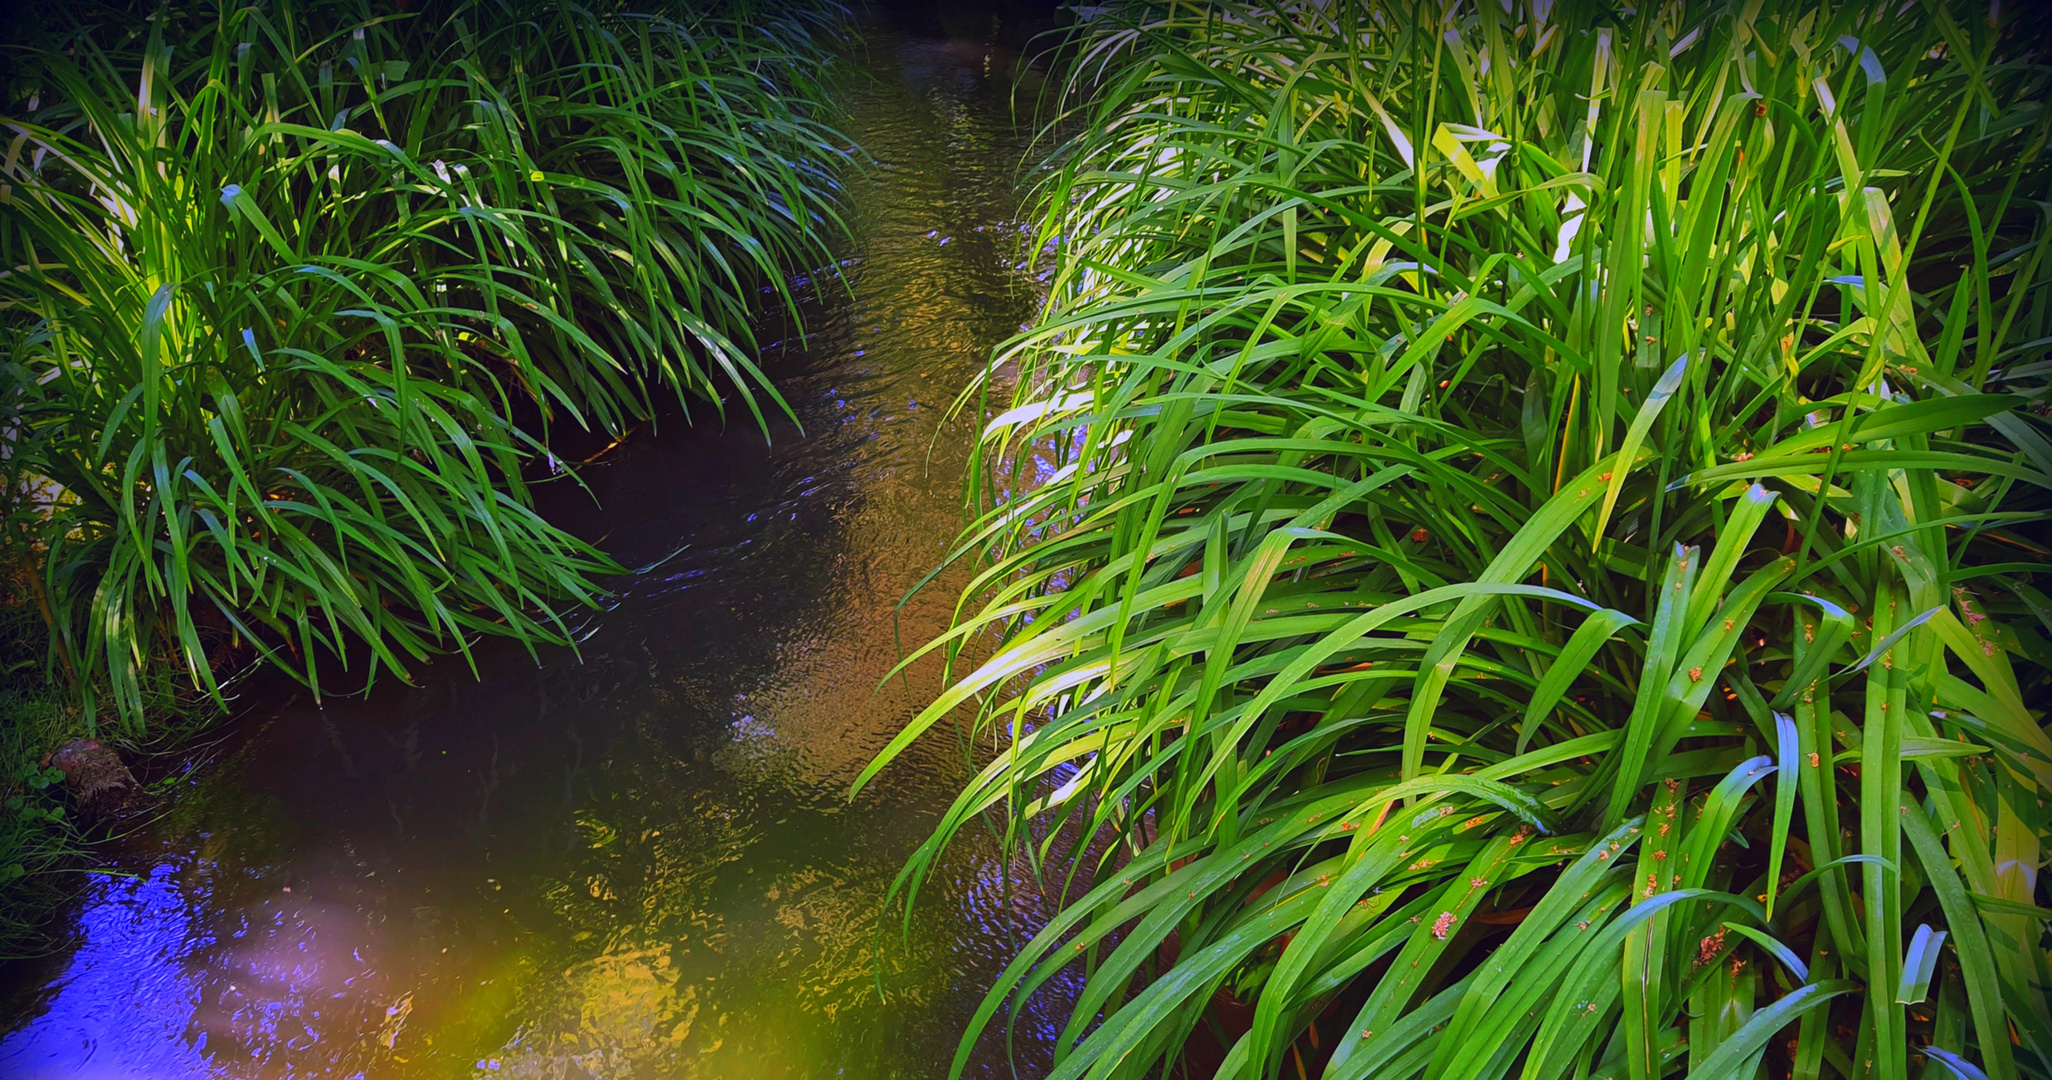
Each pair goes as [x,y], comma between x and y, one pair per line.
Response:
[281,276]
[1542,577]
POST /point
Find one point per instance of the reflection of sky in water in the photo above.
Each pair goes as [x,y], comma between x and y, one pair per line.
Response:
[157,991]
[640,861]
[147,1022]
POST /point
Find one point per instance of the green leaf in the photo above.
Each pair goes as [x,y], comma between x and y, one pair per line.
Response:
[1628,451]
[1774,948]
[1767,1023]
[1919,963]
[1999,906]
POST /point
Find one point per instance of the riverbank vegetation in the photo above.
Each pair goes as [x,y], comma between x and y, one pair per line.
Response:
[1541,569]
[296,295]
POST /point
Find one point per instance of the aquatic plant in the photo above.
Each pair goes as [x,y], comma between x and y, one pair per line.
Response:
[1541,573]
[284,278]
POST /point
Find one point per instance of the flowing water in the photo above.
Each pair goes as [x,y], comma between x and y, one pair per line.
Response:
[640,862]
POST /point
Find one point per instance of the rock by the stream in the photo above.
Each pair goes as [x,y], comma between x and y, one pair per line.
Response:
[98,780]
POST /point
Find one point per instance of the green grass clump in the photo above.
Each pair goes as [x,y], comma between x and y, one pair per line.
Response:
[297,291]
[1542,577]
[292,297]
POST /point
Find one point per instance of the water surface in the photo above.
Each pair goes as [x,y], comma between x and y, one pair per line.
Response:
[640,862]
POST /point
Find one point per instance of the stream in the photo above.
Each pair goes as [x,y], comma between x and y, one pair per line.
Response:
[639,860]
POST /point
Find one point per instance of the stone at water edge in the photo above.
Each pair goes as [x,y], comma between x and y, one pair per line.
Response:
[97,778]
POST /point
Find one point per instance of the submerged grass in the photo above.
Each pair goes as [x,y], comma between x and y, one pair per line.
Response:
[1543,574]
[294,295]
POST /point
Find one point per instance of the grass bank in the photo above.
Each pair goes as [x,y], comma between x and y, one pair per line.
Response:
[297,293]
[1544,572]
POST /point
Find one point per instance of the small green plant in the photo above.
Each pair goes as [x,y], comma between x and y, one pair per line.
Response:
[39,841]
[1541,574]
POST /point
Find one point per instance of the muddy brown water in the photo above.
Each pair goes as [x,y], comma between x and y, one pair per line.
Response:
[640,861]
